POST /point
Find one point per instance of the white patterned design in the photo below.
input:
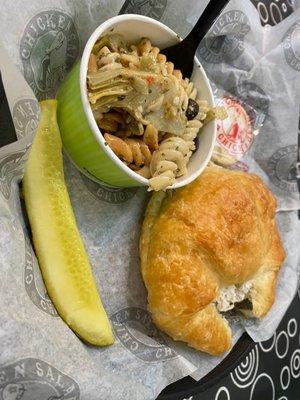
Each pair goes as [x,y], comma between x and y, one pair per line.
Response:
[253,396]
[292,327]
[275,13]
[263,12]
[285,370]
[295,364]
[244,375]
[272,12]
[222,389]
[287,341]
[266,349]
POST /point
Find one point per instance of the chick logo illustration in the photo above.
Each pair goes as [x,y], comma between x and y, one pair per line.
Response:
[151,8]
[225,42]
[48,48]
[282,168]
[25,116]
[291,46]
[13,391]
[34,379]
[51,68]
[30,390]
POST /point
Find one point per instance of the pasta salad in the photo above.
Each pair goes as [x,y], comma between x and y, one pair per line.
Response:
[148,113]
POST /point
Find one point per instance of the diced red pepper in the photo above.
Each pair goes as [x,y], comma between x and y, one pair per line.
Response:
[150,80]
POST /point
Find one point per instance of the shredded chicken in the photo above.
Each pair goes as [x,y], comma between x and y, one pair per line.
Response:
[229,295]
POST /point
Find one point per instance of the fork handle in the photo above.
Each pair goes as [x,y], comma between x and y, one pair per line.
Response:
[204,23]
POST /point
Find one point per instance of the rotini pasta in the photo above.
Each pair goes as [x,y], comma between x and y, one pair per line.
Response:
[151,116]
[119,147]
[151,137]
[133,151]
[171,158]
[140,152]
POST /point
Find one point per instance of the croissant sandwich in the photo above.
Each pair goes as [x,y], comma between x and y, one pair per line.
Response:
[207,248]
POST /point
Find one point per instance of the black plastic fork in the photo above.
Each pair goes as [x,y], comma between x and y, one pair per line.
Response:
[182,54]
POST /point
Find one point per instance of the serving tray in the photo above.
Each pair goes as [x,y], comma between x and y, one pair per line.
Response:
[187,387]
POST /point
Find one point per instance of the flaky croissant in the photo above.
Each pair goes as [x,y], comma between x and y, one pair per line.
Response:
[203,243]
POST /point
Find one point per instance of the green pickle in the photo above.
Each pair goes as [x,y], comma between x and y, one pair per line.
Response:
[61,254]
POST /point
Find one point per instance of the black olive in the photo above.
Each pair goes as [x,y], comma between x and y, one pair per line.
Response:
[192,109]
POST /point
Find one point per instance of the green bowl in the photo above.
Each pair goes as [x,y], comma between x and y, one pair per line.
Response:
[78,139]
[82,139]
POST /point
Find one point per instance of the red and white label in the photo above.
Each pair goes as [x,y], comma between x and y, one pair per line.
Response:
[235,132]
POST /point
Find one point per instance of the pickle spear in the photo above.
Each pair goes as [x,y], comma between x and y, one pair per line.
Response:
[61,254]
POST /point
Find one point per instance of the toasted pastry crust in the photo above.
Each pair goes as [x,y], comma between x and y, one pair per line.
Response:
[220,230]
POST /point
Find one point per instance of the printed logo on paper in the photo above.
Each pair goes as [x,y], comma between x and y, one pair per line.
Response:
[107,193]
[11,167]
[235,132]
[134,328]
[25,115]
[291,46]
[48,48]
[34,284]
[254,96]
[282,168]
[34,379]
[151,8]
[225,41]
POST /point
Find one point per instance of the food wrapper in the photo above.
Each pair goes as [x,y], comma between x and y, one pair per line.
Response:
[255,75]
